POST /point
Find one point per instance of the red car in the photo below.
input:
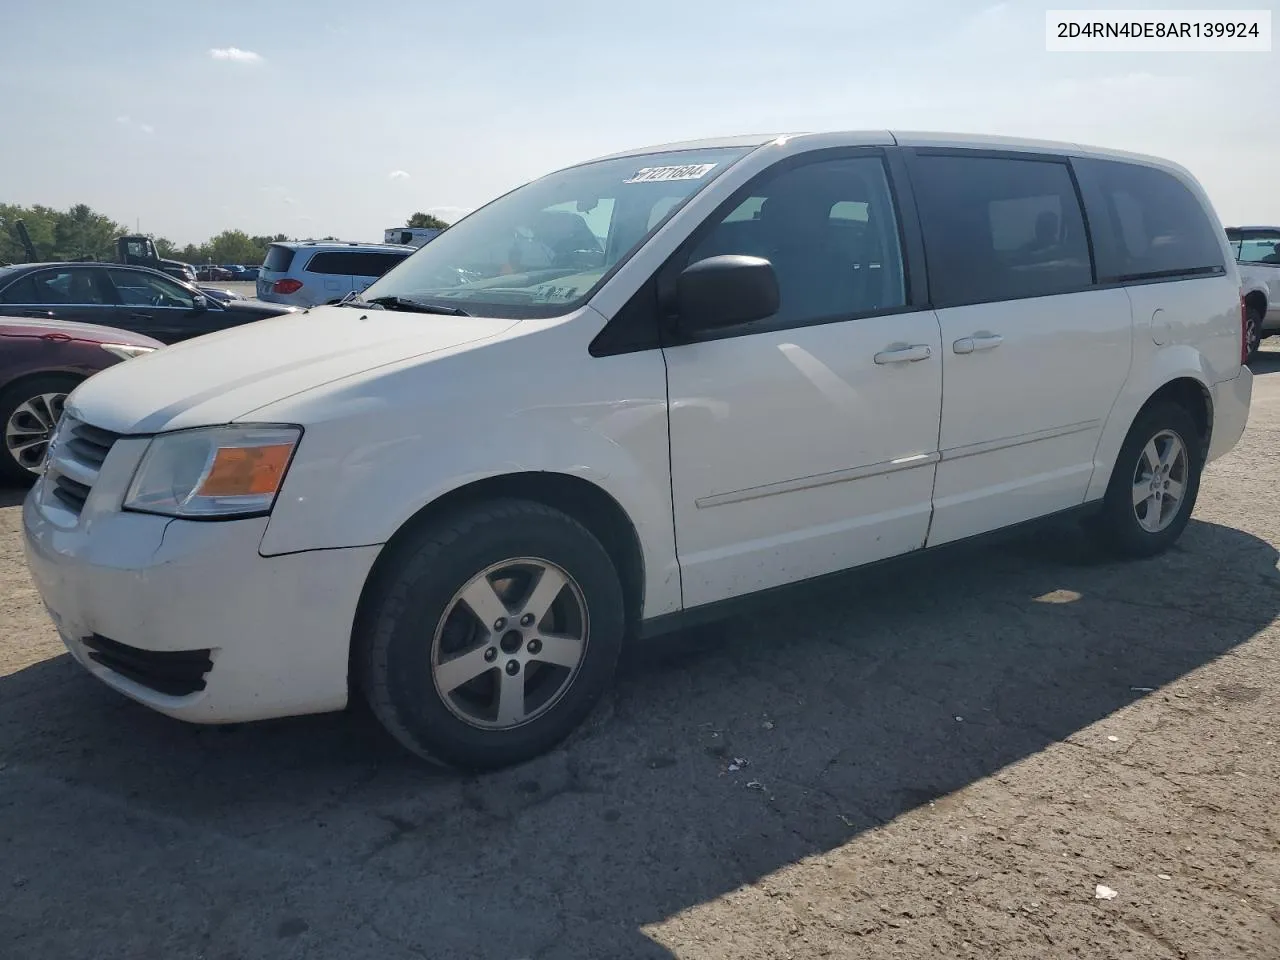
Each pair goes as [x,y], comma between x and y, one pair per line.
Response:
[41,361]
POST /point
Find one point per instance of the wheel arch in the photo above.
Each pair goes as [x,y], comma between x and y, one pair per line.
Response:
[1193,396]
[1257,298]
[589,504]
[78,375]
[1179,377]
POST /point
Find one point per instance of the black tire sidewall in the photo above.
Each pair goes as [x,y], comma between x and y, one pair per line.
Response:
[13,397]
[415,593]
[1119,521]
[1253,322]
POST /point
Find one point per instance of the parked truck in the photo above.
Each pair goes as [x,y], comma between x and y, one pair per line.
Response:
[133,249]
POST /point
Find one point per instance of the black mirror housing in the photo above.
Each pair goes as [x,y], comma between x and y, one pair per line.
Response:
[726,291]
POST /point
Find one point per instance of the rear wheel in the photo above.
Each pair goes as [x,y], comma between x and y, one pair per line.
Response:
[489,637]
[29,410]
[1154,483]
[1252,333]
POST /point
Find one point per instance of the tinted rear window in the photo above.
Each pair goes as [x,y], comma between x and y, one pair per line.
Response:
[1150,226]
[353,263]
[278,259]
[1000,229]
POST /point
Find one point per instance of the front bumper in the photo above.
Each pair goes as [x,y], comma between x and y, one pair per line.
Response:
[277,629]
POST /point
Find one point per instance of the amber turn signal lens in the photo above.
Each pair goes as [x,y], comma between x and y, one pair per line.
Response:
[246,471]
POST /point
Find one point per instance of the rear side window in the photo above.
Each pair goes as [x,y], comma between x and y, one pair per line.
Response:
[1000,229]
[22,290]
[278,260]
[1255,247]
[1150,225]
[354,264]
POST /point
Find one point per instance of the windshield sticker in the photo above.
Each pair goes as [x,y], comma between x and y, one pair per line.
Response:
[689,171]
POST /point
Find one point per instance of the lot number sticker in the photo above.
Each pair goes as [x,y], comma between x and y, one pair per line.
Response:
[689,171]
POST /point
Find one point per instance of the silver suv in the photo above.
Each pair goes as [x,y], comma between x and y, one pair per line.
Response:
[311,272]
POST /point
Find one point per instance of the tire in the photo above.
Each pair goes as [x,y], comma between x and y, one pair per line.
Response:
[28,409]
[418,636]
[1129,529]
[1253,333]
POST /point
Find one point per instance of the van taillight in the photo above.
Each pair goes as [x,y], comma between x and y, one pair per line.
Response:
[286,286]
[1244,332]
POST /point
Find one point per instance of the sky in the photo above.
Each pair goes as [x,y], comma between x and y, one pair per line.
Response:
[337,118]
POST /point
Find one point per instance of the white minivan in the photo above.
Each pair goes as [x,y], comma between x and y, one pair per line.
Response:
[632,393]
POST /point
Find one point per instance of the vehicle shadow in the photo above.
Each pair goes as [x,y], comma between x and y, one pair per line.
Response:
[850,706]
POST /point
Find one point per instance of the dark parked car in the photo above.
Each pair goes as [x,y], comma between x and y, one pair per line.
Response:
[212,272]
[221,294]
[41,361]
[132,298]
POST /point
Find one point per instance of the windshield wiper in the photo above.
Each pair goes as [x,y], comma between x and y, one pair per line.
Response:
[413,306]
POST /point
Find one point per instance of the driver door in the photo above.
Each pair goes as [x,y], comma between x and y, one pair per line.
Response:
[159,307]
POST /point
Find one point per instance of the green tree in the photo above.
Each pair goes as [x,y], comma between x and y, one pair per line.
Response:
[234,246]
[81,233]
[421,219]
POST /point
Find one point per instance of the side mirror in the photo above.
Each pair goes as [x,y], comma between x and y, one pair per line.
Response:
[725,291]
[200,302]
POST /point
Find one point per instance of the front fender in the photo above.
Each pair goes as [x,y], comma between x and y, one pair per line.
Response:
[375,453]
[1169,363]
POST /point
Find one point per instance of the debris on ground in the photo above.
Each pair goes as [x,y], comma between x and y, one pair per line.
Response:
[1102,892]
[1163,876]
[1114,739]
[738,764]
[1143,689]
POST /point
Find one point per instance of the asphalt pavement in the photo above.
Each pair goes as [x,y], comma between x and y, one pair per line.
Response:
[1014,751]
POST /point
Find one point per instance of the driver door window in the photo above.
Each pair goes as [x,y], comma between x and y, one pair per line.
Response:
[830,232]
[137,289]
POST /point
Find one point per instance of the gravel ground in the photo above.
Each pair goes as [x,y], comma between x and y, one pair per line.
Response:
[948,759]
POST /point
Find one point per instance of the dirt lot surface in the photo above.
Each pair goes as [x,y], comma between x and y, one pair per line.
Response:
[948,759]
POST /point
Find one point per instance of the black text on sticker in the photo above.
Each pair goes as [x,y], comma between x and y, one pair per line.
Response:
[689,171]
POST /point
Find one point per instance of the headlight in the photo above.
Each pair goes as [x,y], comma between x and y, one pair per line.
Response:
[213,472]
[126,351]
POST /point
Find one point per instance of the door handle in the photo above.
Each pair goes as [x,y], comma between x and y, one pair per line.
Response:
[908,353]
[979,341]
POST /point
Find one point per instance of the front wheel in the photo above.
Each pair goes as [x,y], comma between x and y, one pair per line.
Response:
[29,411]
[1154,483]
[488,637]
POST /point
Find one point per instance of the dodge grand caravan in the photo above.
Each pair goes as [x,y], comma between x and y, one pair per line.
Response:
[631,393]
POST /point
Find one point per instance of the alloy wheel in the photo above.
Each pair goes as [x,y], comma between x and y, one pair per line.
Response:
[1160,481]
[510,643]
[30,427]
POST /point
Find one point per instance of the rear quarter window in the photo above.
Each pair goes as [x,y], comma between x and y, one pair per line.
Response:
[278,259]
[351,263]
[1148,225]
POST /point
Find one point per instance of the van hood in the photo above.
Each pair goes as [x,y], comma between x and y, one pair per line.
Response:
[221,377]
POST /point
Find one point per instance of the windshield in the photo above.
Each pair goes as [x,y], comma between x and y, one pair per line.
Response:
[544,248]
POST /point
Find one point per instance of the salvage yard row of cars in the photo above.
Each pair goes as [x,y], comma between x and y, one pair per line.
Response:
[636,393]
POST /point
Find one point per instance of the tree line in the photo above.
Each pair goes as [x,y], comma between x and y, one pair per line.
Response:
[81,233]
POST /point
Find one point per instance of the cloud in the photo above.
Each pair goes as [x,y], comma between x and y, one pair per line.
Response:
[127,121]
[236,54]
[398,175]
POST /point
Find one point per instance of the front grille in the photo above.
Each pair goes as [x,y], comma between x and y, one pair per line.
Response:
[91,444]
[72,493]
[176,673]
[76,454]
